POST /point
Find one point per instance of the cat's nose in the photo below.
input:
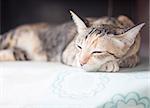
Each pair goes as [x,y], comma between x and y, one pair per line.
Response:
[82,63]
[84,59]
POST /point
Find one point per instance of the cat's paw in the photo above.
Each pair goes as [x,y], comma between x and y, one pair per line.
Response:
[130,62]
[6,55]
[111,66]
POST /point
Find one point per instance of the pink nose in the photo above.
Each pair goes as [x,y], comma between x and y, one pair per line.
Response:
[84,60]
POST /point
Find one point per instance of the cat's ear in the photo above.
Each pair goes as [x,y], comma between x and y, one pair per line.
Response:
[81,26]
[128,37]
[120,44]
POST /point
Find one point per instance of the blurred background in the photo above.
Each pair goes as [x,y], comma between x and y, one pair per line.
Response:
[17,12]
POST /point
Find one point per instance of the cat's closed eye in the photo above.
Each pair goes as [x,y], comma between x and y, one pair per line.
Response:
[96,52]
[79,46]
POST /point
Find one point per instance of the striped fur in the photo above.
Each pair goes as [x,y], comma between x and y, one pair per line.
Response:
[88,47]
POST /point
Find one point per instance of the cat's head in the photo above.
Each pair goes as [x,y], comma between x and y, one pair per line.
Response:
[100,44]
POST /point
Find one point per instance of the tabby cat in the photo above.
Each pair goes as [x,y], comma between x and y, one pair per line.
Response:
[94,44]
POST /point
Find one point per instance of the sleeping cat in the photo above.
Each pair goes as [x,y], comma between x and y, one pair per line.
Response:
[94,44]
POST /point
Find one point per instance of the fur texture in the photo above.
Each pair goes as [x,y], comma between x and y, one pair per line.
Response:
[97,44]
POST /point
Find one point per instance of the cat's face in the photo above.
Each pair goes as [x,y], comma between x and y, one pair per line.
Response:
[99,45]
[95,48]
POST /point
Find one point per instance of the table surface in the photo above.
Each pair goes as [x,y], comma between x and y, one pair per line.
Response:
[54,85]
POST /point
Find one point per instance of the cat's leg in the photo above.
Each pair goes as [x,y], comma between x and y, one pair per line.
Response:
[25,39]
[13,55]
[131,61]
[111,66]
[28,40]
[7,55]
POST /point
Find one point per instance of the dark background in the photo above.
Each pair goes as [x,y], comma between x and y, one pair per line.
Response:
[17,12]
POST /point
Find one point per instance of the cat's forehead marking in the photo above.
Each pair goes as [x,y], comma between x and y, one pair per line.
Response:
[104,30]
[91,31]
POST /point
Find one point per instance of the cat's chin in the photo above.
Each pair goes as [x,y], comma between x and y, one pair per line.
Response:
[90,68]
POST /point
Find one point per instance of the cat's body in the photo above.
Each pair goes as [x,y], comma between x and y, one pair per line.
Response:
[42,42]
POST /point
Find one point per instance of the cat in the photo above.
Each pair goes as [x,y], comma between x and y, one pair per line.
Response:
[93,44]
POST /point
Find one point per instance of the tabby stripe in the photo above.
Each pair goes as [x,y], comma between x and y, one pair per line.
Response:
[112,54]
[90,33]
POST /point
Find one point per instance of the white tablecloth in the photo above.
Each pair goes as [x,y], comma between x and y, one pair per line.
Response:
[53,85]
